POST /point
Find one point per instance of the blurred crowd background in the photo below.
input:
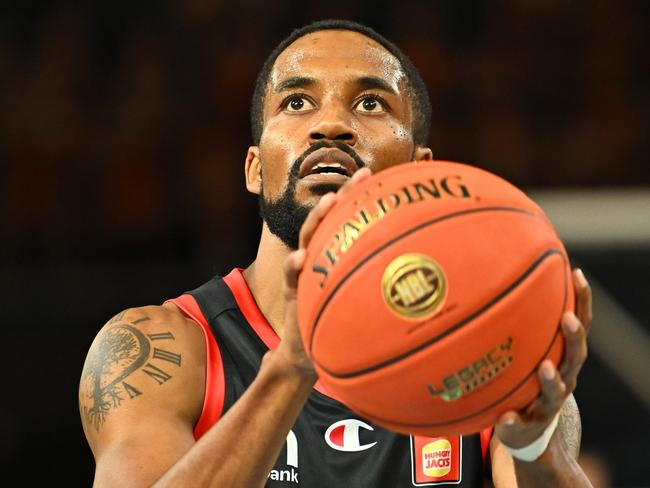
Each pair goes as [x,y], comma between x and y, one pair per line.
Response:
[123,131]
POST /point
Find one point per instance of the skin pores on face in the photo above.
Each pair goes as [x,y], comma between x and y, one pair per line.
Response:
[338,85]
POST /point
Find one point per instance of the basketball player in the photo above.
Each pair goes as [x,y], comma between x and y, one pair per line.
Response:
[188,394]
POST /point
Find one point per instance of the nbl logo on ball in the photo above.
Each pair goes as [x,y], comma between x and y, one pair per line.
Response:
[414,286]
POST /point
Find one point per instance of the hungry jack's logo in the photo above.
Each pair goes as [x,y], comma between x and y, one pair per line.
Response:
[436,460]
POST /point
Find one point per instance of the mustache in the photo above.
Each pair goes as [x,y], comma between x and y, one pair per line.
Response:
[329,144]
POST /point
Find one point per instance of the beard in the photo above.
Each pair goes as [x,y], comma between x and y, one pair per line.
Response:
[285,216]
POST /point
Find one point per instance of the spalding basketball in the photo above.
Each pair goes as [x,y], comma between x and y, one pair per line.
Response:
[430,296]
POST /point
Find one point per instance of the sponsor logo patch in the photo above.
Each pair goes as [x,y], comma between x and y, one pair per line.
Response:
[436,460]
[344,435]
[290,474]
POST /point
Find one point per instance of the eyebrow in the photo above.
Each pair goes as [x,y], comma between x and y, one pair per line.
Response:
[373,82]
[294,82]
[366,82]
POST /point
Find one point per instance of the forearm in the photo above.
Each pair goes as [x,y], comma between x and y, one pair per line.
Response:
[255,428]
[555,467]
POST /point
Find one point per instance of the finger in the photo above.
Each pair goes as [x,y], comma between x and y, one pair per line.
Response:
[517,431]
[575,353]
[359,176]
[314,218]
[508,429]
[552,393]
[584,309]
[553,389]
[292,266]
[326,203]
[509,420]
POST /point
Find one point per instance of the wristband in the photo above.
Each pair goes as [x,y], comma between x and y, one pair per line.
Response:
[536,448]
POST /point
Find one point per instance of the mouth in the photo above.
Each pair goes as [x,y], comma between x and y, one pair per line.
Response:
[327,164]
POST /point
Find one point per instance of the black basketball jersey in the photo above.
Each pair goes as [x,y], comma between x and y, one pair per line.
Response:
[329,446]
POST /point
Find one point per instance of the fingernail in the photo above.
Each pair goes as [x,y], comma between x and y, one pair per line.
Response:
[548,370]
[571,322]
[581,277]
[299,255]
[325,199]
[357,174]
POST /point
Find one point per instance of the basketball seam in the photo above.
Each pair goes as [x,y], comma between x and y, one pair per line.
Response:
[397,238]
[451,329]
[503,397]
[482,410]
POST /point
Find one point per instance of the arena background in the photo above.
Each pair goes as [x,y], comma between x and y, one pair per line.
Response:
[123,130]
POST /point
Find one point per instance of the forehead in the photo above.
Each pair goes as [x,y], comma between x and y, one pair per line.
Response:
[335,55]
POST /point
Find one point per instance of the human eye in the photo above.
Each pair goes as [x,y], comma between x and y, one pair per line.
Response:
[371,104]
[297,103]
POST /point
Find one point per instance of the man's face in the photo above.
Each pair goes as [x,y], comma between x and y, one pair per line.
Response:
[335,101]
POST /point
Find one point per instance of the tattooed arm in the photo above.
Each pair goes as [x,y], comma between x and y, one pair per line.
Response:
[143,385]
[141,392]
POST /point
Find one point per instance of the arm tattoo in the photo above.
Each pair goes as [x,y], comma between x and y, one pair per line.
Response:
[570,426]
[120,351]
[117,318]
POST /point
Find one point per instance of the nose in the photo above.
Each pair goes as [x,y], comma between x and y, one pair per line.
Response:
[333,124]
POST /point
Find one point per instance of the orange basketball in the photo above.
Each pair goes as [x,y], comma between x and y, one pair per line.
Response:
[430,295]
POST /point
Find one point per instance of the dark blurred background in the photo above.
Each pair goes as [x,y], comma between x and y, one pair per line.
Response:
[123,131]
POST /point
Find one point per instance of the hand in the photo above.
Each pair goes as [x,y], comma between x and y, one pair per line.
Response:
[291,345]
[518,429]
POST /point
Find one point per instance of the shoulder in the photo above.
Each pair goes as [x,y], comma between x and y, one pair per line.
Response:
[143,360]
[152,326]
[139,336]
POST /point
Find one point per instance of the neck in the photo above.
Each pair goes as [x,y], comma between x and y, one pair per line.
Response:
[265,278]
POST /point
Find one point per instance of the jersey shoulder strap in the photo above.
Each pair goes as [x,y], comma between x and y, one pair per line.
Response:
[202,310]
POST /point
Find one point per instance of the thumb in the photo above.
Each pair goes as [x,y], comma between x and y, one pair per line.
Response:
[507,428]
[292,267]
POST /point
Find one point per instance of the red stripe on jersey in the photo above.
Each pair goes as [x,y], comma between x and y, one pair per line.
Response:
[486,435]
[215,384]
[248,306]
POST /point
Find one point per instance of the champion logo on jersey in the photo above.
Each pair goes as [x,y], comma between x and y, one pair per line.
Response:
[344,435]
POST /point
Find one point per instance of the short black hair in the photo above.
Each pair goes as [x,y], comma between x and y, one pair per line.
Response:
[419,95]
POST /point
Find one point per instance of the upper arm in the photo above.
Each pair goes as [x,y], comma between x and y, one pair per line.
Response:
[141,391]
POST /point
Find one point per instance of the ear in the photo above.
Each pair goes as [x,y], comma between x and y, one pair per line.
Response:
[423,154]
[253,170]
